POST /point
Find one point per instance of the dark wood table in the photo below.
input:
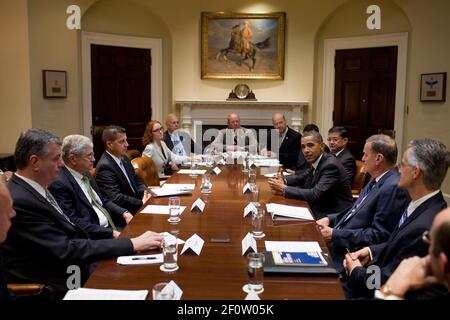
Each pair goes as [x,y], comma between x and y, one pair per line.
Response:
[221,270]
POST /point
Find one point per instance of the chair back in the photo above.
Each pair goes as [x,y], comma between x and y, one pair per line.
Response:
[133,153]
[360,179]
[146,170]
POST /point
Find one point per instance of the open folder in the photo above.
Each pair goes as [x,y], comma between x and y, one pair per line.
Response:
[172,189]
[271,267]
[284,212]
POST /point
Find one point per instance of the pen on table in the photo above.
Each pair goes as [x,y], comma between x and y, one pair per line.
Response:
[143,258]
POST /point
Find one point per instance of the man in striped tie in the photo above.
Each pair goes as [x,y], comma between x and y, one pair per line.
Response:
[422,170]
[78,195]
[43,242]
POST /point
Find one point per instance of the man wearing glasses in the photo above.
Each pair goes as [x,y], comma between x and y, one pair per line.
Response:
[78,195]
[422,170]
[115,175]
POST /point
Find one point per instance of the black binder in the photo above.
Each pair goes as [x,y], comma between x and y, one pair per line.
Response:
[271,267]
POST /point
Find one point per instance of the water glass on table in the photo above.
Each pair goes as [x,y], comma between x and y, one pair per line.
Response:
[258,223]
[162,292]
[255,272]
[174,209]
[170,253]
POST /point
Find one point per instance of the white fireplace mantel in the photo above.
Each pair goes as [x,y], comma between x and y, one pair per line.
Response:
[251,112]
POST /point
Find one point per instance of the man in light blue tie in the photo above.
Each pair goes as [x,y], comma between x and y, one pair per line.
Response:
[115,175]
[422,170]
[377,210]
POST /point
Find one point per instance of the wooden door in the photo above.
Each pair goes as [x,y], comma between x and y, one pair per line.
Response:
[364,96]
[121,93]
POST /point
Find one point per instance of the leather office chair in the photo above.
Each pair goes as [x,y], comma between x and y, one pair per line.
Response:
[360,180]
[32,290]
[146,170]
[133,153]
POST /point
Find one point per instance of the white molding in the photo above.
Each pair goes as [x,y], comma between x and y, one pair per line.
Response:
[395,39]
[154,44]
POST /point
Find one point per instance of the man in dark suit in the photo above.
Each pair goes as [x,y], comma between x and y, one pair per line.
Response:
[288,142]
[115,175]
[178,141]
[324,186]
[43,242]
[6,214]
[428,277]
[376,212]
[337,140]
[78,195]
[422,171]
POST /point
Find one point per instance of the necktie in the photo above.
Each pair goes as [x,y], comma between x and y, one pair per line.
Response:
[122,167]
[365,192]
[403,218]
[96,203]
[55,205]
[280,140]
[235,142]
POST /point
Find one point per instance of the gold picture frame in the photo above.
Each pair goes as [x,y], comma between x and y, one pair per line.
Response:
[242,45]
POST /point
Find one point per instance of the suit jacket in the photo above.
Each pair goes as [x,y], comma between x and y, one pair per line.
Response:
[153,151]
[4,292]
[114,185]
[76,205]
[326,191]
[348,162]
[290,149]
[372,221]
[42,244]
[188,144]
[404,242]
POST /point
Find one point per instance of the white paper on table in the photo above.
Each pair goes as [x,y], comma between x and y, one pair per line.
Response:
[285,212]
[273,175]
[293,246]
[105,294]
[141,259]
[194,243]
[249,208]
[222,162]
[267,163]
[176,290]
[179,186]
[167,234]
[249,243]
[246,188]
[198,205]
[216,170]
[252,295]
[188,171]
[157,209]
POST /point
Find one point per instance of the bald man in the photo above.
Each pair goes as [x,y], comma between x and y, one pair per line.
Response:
[288,142]
[178,141]
[234,138]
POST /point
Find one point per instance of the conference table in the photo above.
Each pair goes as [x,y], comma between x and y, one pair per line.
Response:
[220,271]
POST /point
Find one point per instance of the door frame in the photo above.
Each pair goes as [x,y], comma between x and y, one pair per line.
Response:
[156,81]
[400,40]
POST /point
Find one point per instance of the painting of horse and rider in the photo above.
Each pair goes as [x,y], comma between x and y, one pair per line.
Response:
[243,46]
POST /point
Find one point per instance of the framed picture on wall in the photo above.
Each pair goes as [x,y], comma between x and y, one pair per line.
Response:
[242,46]
[432,87]
[54,83]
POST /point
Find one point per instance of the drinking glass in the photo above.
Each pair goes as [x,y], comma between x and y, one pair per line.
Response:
[255,272]
[162,292]
[174,209]
[170,253]
[258,223]
[206,183]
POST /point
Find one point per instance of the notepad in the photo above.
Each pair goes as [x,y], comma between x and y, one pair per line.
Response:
[284,212]
[306,259]
[102,294]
